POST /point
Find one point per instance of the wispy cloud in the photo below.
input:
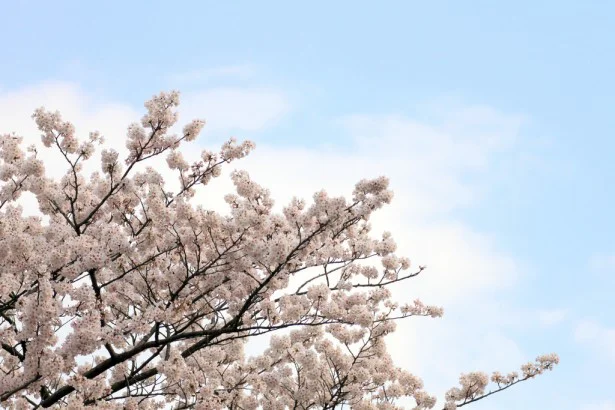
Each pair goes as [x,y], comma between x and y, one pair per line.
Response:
[602,262]
[596,336]
[552,317]
[237,108]
[599,405]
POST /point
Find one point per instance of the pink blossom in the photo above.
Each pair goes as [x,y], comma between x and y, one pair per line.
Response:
[131,297]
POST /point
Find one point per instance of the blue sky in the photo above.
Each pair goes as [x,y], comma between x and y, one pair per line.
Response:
[493,119]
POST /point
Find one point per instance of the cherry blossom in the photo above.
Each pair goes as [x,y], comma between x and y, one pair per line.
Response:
[131,297]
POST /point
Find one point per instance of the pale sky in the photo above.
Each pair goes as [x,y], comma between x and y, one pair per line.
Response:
[493,120]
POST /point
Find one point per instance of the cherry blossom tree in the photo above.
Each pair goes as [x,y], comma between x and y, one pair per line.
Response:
[124,296]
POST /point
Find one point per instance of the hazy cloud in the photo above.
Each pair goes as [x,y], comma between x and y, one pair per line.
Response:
[596,336]
[552,316]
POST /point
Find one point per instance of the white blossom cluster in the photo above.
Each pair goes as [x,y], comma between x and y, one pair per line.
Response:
[473,384]
[161,295]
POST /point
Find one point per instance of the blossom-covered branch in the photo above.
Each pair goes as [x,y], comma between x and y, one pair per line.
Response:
[134,297]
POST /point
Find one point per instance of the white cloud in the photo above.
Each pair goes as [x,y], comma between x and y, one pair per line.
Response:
[245,109]
[16,108]
[596,336]
[427,164]
[432,160]
[551,317]
[602,262]
[599,405]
